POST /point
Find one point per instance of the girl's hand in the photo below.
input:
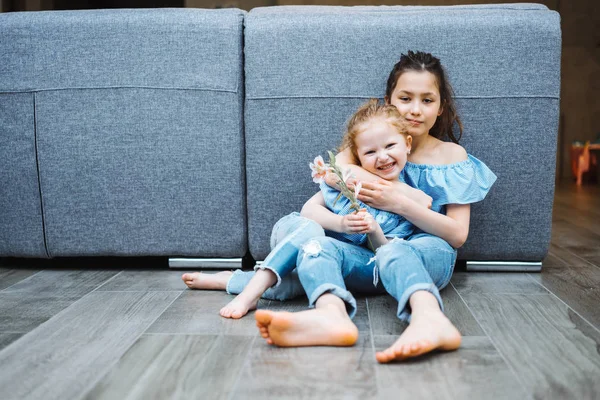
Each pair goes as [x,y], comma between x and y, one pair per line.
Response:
[382,195]
[371,224]
[358,222]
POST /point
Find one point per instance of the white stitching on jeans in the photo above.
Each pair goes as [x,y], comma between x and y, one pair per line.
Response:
[375,275]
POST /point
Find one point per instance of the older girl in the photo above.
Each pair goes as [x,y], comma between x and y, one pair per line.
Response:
[411,270]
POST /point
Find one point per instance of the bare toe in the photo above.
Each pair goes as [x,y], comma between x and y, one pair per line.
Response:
[263,318]
[225,312]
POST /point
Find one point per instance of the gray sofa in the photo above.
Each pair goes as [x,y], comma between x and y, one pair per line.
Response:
[187,133]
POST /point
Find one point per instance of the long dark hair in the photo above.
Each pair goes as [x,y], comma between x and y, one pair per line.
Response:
[420,61]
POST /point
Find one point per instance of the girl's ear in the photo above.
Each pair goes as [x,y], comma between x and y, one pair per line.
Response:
[408,143]
[441,111]
[386,99]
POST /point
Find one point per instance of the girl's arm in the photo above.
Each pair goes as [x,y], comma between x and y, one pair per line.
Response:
[452,227]
[315,209]
[344,160]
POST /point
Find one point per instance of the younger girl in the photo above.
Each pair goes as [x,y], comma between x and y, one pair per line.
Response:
[411,270]
[377,139]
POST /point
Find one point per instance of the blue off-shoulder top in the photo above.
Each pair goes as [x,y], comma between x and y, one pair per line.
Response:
[464,182]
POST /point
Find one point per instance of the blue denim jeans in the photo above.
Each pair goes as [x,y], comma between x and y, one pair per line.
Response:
[287,238]
[327,265]
[400,268]
[420,262]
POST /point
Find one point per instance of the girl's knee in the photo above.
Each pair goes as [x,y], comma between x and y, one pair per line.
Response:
[314,247]
[295,227]
[396,254]
[395,249]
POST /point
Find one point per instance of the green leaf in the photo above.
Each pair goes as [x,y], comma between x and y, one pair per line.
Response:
[337,198]
[332,159]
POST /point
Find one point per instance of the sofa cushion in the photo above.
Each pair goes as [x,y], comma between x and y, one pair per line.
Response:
[21,223]
[308,70]
[139,128]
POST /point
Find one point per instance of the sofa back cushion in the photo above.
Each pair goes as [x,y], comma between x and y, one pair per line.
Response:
[138,128]
[308,69]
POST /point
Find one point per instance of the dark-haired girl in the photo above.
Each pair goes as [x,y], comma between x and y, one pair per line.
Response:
[411,270]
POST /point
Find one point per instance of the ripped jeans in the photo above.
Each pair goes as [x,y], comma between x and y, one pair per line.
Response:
[401,267]
[287,238]
[326,265]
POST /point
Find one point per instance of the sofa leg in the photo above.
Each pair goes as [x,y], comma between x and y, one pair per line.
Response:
[505,266]
[216,263]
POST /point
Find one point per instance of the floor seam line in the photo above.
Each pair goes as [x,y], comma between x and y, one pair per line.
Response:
[22,280]
[510,367]
[110,367]
[567,305]
[377,380]
[242,368]
[573,254]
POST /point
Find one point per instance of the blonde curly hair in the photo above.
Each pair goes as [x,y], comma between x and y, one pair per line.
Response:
[371,110]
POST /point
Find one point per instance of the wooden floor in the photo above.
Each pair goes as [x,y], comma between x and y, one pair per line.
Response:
[71,333]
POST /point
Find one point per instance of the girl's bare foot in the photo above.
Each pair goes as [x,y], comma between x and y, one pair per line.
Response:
[427,332]
[238,307]
[325,326]
[198,280]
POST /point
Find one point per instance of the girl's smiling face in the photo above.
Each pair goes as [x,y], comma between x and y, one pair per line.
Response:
[417,97]
[381,149]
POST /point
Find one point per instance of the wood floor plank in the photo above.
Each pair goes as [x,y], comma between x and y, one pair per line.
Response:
[495,282]
[560,257]
[552,261]
[457,311]
[68,354]
[197,312]
[578,204]
[10,276]
[144,280]
[382,313]
[308,372]
[361,319]
[63,282]
[594,260]
[8,338]
[383,309]
[587,196]
[176,367]
[551,354]
[30,302]
[577,287]
[20,313]
[576,240]
[475,371]
[582,219]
